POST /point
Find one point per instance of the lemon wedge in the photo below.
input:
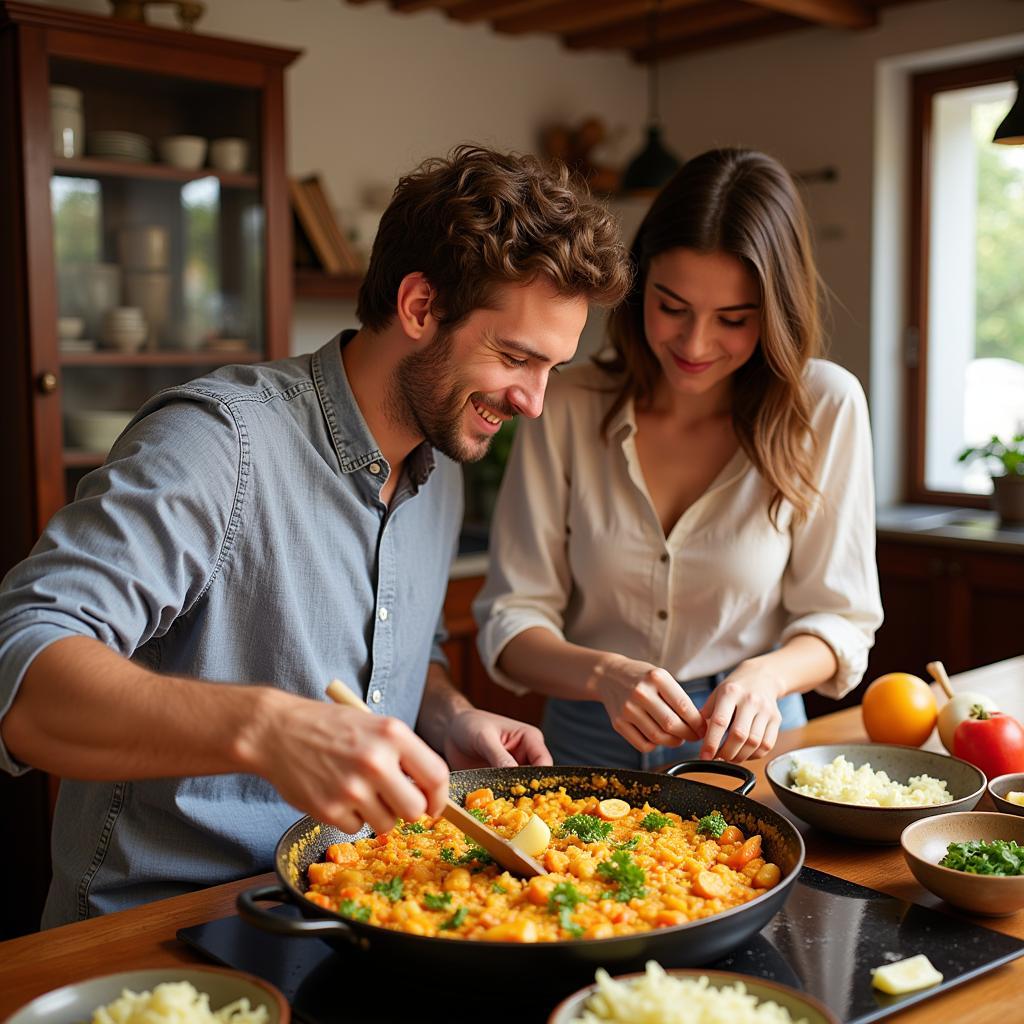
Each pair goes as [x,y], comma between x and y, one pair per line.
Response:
[533,837]
[613,809]
[1016,798]
[905,975]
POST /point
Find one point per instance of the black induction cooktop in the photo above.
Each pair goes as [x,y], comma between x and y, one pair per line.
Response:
[824,941]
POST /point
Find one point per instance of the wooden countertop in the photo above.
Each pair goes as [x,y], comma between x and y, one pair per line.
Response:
[144,936]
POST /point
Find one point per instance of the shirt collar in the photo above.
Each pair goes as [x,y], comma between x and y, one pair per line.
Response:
[351,437]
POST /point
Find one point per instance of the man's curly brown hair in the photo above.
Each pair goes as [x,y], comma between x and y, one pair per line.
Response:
[477,219]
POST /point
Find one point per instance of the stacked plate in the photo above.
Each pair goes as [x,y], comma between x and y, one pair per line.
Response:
[115,145]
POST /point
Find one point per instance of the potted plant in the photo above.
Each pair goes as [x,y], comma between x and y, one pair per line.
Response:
[1008,485]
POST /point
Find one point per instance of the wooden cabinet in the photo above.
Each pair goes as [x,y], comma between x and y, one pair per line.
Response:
[108,222]
[467,670]
[962,605]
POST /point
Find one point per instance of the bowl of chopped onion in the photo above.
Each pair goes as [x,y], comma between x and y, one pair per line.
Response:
[973,860]
[707,996]
[183,994]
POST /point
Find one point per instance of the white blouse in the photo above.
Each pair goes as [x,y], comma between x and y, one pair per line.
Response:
[577,547]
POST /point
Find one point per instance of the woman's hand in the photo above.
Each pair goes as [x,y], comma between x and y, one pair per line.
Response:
[646,705]
[481,739]
[745,704]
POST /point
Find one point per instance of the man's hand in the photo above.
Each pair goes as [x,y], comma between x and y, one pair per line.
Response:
[345,767]
[646,705]
[481,739]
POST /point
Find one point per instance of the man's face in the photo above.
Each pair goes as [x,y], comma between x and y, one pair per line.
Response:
[458,390]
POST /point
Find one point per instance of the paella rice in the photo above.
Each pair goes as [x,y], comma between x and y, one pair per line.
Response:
[643,870]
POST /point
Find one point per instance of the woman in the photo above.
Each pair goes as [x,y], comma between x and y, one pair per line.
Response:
[684,542]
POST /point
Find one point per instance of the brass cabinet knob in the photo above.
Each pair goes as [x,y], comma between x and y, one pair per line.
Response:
[48,383]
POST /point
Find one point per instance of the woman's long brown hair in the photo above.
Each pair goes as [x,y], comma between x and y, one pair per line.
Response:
[745,204]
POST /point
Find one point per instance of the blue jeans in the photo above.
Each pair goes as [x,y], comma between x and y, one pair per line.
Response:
[580,732]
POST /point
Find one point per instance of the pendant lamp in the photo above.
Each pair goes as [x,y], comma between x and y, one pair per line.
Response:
[1011,129]
[654,164]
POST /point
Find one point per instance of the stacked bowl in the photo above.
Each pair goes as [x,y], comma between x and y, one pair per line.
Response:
[124,328]
[145,254]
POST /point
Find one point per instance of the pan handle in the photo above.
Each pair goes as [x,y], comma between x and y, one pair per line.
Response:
[249,911]
[737,771]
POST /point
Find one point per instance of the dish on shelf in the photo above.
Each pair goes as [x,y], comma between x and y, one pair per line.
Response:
[77,345]
[186,152]
[78,1001]
[118,145]
[871,824]
[95,430]
[69,327]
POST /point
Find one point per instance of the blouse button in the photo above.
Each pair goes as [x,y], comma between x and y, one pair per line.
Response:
[662,614]
[375,696]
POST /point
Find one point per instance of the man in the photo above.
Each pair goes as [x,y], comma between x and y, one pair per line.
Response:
[264,529]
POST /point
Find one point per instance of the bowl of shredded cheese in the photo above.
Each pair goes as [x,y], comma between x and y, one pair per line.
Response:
[168,995]
[872,791]
[688,996]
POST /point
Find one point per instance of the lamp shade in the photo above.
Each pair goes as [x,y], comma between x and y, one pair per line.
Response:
[651,167]
[1011,129]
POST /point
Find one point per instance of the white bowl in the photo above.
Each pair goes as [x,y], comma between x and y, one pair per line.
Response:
[78,1001]
[229,154]
[96,430]
[69,327]
[185,151]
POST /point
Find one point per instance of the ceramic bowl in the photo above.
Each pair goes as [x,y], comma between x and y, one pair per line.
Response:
[798,1004]
[924,845]
[95,430]
[76,1002]
[1003,784]
[69,328]
[880,825]
[229,154]
[185,151]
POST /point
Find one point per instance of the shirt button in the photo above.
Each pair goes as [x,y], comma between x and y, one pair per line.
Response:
[383,614]
[662,614]
[374,468]
[664,557]
[375,696]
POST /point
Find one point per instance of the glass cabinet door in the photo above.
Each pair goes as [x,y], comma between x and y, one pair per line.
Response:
[159,241]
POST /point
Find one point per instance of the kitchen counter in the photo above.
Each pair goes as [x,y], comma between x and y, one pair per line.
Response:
[950,527]
[145,936]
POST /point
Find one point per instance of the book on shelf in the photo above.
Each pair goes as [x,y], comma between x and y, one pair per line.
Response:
[320,226]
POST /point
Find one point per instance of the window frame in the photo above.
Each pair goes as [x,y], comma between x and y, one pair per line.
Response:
[924,87]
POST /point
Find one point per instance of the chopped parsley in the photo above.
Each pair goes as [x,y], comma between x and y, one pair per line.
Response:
[392,890]
[498,887]
[475,853]
[356,911]
[415,853]
[587,827]
[413,826]
[712,824]
[437,900]
[1000,857]
[448,855]
[629,844]
[564,899]
[479,814]
[654,821]
[455,920]
[629,877]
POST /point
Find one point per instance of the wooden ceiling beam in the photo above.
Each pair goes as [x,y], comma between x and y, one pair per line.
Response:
[635,34]
[833,13]
[569,16]
[486,10]
[719,38]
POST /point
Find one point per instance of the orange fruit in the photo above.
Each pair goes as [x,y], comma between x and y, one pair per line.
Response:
[899,708]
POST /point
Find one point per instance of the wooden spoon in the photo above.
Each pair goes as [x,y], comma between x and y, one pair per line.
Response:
[938,672]
[503,852]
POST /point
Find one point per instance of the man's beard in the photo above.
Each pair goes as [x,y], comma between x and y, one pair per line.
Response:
[425,395]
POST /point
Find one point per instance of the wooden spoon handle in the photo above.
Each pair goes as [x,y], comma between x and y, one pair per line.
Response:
[500,849]
[938,672]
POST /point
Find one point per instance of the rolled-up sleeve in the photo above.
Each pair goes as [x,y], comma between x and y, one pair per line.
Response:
[528,577]
[830,589]
[139,546]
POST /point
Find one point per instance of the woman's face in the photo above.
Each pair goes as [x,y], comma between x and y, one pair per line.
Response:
[702,317]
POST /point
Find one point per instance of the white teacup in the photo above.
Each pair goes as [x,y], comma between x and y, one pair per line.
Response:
[184,151]
[229,154]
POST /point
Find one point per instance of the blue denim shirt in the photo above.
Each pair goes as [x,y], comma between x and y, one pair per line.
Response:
[235,533]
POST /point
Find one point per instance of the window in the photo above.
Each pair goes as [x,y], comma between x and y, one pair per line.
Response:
[965,341]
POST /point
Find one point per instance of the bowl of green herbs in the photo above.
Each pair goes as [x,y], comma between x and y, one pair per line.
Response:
[973,860]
